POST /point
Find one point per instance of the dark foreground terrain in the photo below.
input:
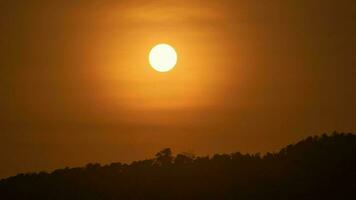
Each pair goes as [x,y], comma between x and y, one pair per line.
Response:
[322,167]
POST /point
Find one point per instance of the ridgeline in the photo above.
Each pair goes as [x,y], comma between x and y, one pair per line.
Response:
[318,167]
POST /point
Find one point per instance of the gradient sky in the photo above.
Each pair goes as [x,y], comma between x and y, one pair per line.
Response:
[252,76]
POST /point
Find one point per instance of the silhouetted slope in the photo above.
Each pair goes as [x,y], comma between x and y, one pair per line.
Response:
[315,168]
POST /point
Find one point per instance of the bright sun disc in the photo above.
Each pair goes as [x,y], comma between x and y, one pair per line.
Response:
[163,57]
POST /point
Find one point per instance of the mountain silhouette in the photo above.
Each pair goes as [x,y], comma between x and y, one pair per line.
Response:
[318,167]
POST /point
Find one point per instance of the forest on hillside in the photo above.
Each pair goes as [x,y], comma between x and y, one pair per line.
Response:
[317,167]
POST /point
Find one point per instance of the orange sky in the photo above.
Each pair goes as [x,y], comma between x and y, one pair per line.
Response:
[76,86]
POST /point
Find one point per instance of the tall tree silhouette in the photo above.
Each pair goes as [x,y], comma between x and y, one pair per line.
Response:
[164,157]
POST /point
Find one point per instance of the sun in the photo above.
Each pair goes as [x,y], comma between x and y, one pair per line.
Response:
[163,57]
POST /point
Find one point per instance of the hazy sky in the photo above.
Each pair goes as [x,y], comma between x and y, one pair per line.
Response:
[252,76]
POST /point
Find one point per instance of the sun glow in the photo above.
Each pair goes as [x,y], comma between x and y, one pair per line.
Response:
[163,57]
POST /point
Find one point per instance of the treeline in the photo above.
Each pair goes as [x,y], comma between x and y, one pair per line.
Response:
[319,167]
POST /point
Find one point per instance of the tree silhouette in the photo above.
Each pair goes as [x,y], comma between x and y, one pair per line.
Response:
[164,157]
[318,167]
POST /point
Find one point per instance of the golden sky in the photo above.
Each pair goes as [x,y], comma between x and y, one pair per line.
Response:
[252,76]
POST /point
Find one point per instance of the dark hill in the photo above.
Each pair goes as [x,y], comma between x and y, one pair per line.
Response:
[320,167]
